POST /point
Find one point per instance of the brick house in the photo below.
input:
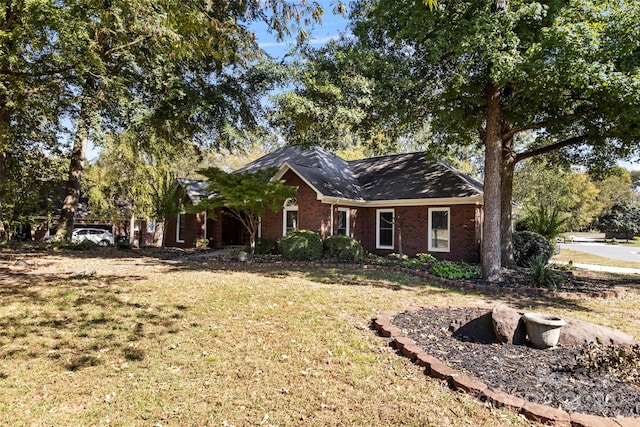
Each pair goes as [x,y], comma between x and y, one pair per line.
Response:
[388,203]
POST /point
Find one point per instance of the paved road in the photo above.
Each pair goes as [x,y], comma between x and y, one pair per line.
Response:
[623,253]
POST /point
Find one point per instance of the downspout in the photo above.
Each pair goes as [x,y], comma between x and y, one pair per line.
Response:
[332,206]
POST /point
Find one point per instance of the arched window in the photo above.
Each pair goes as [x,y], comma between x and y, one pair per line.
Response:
[290,216]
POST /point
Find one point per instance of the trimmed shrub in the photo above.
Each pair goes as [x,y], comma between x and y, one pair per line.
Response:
[301,245]
[343,248]
[263,247]
[528,245]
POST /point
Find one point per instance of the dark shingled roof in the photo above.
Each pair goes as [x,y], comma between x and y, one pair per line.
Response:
[410,176]
[196,190]
[395,177]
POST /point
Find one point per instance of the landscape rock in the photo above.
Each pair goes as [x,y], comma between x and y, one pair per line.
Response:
[508,325]
[578,332]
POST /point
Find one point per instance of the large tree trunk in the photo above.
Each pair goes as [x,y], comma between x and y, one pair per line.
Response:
[506,217]
[491,254]
[76,169]
[3,177]
[5,143]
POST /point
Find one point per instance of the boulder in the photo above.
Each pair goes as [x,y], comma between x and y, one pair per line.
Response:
[477,330]
[508,325]
[577,332]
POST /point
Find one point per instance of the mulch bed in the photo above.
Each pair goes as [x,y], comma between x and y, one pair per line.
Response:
[579,281]
[540,376]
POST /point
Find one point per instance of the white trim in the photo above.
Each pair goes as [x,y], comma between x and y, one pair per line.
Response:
[286,167]
[393,213]
[289,207]
[429,235]
[178,218]
[404,202]
[347,220]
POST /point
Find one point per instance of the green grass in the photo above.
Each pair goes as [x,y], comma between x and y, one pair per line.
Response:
[137,341]
[579,257]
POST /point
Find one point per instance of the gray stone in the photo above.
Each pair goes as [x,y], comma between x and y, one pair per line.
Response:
[508,325]
[577,332]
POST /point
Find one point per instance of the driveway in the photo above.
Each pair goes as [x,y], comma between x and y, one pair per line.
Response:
[622,253]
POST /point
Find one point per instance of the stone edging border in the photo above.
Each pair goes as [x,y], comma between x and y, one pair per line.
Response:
[472,386]
[615,292]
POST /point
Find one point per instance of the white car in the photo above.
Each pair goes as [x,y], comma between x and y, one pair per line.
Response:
[96,235]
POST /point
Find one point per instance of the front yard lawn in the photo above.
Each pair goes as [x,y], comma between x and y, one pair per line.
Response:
[125,339]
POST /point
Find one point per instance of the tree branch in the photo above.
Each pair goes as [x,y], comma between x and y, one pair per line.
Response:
[125,46]
[546,149]
[545,123]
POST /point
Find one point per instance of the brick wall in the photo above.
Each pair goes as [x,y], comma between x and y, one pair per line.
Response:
[194,230]
[312,215]
[412,224]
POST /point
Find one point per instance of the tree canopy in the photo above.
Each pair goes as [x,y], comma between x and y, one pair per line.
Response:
[518,78]
[170,71]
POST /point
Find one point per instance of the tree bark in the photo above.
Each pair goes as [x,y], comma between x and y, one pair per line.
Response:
[74,181]
[506,216]
[491,242]
[3,177]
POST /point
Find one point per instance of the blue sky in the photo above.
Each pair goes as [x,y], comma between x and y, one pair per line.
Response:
[330,28]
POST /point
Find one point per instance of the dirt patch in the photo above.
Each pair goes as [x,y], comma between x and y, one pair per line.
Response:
[540,376]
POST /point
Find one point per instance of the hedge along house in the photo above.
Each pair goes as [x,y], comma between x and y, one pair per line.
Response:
[397,203]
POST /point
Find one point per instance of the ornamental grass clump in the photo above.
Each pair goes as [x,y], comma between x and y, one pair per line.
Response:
[541,274]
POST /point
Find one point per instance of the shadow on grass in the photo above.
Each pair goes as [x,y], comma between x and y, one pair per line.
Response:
[379,278]
[78,322]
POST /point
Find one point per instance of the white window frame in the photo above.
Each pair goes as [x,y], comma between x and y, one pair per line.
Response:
[347,220]
[290,205]
[393,228]
[430,236]
[180,218]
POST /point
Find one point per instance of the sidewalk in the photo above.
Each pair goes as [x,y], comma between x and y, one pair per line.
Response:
[603,268]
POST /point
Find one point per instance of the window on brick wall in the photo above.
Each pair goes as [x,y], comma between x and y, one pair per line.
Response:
[181,225]
[439,230]
[384,228]
[290,216]
[343,221]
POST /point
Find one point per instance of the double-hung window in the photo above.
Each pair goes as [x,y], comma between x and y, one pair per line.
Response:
[343,221]
[384,228]
[439,230]
[181,225]
[290,216]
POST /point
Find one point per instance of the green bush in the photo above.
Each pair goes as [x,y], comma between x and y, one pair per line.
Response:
[343,248]
[528,245]
[452,270]
[123,245]
[301,245]
[420,261]
[263,247]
